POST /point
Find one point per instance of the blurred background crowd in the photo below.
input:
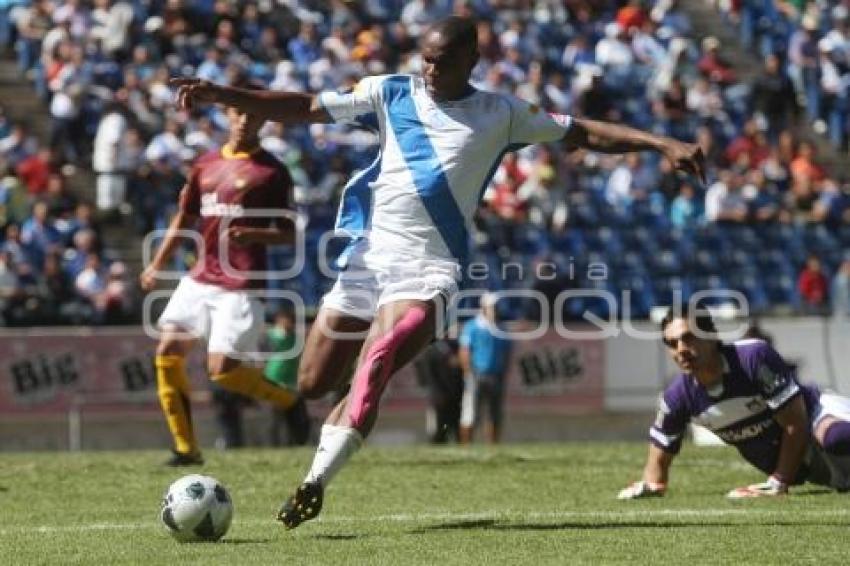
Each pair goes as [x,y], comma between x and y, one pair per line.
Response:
[771,221]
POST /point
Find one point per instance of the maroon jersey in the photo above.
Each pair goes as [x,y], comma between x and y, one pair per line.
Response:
[224,185]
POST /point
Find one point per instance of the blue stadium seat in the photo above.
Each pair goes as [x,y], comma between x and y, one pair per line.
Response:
[639,239]
[843,235]
[705,262]
[780,236]
[671,290]
[605,240]
[711,237]
[639,299]
[599,305]
[818,239]
[531,240]
[665,263]
[774,262]
[570,242]
[716,284]
[629,263]
[749,283]
[671,239]
[782,291]
[737,259]
[744,238]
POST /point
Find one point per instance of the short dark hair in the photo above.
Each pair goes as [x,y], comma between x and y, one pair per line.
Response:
[457,31]
[697,313]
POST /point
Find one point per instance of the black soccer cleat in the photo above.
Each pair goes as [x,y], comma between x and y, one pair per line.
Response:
[179,459]
[302,506]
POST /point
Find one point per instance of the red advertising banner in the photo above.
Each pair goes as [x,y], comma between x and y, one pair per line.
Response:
[557,375]
[48,371]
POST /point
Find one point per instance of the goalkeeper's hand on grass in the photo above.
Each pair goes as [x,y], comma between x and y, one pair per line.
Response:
[770,488]
[642,490]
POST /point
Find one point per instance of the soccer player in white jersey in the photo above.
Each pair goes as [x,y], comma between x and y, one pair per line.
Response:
[746,394]
[408,214]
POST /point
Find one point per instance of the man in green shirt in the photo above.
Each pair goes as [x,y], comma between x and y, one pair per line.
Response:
[282,369]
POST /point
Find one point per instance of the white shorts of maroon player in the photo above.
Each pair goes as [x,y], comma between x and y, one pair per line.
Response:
[827,469]
[366,285]
[230,322]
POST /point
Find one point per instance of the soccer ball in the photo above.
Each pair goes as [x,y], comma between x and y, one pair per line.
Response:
[196,508]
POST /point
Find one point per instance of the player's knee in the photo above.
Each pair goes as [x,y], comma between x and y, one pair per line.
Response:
[835,439]
[310,382]
[220,365]
[169,348]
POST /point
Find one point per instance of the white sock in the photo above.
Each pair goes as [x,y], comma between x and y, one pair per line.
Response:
[336,445]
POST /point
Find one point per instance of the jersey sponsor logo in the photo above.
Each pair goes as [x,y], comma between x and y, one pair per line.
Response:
[771,382]
[211,207]
[744,433]
[757,405]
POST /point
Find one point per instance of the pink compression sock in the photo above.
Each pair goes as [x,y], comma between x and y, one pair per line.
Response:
[370,381]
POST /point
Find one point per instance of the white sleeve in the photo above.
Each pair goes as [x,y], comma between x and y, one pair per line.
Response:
[364,99]
[530,124]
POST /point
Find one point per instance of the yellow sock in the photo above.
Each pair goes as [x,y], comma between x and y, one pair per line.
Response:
[251,382]
[172,384]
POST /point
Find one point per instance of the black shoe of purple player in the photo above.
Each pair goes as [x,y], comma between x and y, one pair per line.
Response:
[302,506]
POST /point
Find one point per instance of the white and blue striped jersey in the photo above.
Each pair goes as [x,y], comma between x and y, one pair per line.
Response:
[417,198]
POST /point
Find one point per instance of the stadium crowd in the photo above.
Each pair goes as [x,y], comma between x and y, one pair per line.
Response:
[814,40]
[102,70]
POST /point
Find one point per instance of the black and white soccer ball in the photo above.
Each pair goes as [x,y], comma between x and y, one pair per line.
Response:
[196,508]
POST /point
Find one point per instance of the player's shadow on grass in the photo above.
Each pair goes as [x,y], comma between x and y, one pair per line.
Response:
[815,491]
[495,525]
[339,537]
[246,541]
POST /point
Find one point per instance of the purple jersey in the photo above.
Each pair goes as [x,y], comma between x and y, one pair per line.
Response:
[756,383]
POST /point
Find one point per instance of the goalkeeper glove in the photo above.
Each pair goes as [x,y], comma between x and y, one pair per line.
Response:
[642,489]
[772,487]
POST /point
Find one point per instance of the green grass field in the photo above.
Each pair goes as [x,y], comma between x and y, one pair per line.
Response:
[516,504]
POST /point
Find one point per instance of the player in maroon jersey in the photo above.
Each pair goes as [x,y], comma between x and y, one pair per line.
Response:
[214,302]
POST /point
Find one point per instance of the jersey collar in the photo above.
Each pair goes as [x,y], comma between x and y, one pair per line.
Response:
[228,153]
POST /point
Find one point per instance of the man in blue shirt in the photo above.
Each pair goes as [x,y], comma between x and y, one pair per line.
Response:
[484,352]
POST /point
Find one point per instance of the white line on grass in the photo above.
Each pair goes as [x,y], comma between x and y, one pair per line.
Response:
[495,515]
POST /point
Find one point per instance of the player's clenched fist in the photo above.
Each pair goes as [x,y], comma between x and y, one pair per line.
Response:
[641,490]
[147,279]
[192,92]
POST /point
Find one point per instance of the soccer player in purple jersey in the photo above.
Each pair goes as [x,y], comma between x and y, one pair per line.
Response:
[747,395]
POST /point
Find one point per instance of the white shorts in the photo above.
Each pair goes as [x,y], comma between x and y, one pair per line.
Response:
[831,405]
[230,322]
[833,471]
[367,285]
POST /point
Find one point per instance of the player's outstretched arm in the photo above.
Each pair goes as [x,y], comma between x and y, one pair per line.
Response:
[147,279]
[655,475]
[276,106]
[606,137]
